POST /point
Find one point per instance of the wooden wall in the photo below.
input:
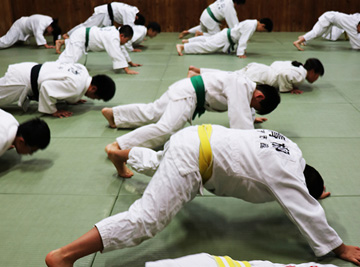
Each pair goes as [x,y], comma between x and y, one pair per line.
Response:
[177,15]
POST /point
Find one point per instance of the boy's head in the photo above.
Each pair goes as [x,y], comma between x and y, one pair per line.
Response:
[314,181]
[126,33]
[31,136]
[101,87]
[264,25]
[153,29]
[53,29]
[239,2]
[139,19]
[265,99]
[314,69]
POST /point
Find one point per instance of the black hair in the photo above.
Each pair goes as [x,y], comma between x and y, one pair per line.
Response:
[154,26]
[127,31]
[314,181]
[56,29]
[268,23]
[105,86]
[36,133]
[140,19]
[271,100]
[314,64]
[239,2]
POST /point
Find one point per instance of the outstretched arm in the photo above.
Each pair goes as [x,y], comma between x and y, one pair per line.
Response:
[348,253]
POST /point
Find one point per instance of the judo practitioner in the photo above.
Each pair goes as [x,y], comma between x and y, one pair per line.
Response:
[349,23]
[51,82]
[226,40]
[99,39]
[256,166]
[107,14]
[213,15]
[140,32]
[334,33]
[26,138]
[216,91]
[285,75]
[207,260]
[35,25]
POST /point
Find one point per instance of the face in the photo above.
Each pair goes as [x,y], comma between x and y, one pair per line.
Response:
[49,30]
[258,96]
[151,33]
[91,92]
[261,27]
[311,76]
[124,39]
[23,148]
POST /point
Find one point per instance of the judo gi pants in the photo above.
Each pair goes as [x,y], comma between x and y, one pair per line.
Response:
[74,48]
[167,192]
[206,260]
[206,44]
[99,20]
[159,120]
[12,36]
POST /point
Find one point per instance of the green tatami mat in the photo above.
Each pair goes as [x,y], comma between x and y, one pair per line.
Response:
[54,196]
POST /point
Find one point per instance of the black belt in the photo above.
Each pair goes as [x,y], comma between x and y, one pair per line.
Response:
[111,14]
[34,75]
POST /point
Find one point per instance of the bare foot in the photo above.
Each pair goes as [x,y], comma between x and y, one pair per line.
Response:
[183,33]
[56,259]
[198,33]
[109,116]
[179,49]
[185,41]
[297,44]
[65,36]
[58,44]
[113,154]
[191,73]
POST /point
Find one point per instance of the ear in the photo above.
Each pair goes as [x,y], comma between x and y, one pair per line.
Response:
[258,95]
[93,88]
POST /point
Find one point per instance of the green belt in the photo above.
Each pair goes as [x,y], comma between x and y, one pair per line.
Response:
[199,87]
[208,9]
[87,33]
[232,44]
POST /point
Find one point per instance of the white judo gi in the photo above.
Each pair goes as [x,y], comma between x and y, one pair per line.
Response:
[222,10]
[25,27]
[343,21]
[8,129]
[207,260]
[100,39]
[123,14]
[240,35]
[280,74]
[257,166]
[139,35]
[160,119]
[333,33]
[56,81]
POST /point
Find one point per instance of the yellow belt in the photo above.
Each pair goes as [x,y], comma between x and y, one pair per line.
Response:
[226,261]
[205,152]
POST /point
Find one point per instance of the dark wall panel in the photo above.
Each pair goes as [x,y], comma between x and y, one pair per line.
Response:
[175,15]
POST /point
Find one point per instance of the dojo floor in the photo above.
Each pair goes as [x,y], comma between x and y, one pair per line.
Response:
[49,199]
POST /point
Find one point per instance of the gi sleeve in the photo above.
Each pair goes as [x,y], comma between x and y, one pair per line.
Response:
[129,46]
[231,17]
[239,110]
[287,79]
[246,32]
[117,53]
[56,90]
[39,35]
[305,211]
